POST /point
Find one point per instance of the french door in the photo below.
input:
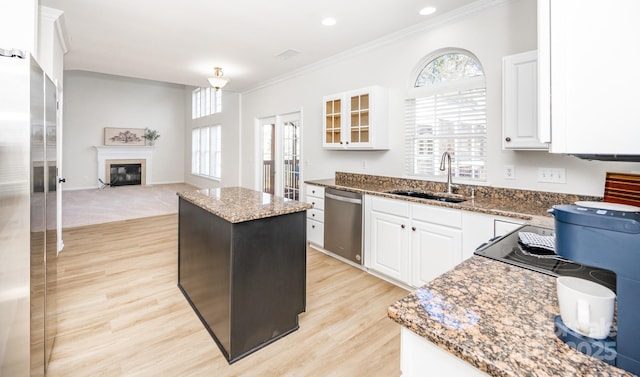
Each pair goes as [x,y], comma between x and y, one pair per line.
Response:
[280,151]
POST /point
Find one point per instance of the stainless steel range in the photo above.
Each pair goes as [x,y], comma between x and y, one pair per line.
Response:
[509,249]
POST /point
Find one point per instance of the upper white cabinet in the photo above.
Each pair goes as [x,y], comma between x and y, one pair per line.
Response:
[355,120]
[587,78]
[520,102]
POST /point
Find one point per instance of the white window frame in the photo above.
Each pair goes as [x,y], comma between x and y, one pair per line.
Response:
[465,141]
[206,153]
[205,101]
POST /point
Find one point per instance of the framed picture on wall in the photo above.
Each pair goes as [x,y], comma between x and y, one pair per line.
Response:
[123,136]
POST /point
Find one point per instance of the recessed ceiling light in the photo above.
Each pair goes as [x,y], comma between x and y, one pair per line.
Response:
[427,11]
[329,21]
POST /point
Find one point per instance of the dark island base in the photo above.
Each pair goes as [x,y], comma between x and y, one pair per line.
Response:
[221,347]
[245,281]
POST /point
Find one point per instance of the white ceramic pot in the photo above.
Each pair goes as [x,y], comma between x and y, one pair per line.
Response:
[586,307]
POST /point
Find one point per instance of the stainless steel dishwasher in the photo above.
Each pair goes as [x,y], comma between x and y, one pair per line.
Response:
[343,224]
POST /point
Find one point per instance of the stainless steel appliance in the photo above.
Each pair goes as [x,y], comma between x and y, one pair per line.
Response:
[28,235]
[343,224]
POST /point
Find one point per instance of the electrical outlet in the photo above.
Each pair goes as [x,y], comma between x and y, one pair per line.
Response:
[509,172]
[552,175]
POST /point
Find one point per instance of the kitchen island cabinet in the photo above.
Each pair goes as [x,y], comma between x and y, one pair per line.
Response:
[242,265]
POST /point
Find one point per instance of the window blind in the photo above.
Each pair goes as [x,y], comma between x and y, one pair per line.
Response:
[453,122]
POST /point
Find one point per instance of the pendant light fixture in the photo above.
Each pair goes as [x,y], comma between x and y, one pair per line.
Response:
[218,80]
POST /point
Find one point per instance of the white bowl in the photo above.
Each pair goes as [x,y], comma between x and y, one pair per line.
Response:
[586,307]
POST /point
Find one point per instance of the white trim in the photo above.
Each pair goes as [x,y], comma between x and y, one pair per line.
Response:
[123,153]
[433,23]
[57,17]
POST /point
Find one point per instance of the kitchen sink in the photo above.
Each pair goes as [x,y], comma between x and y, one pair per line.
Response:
[426,195]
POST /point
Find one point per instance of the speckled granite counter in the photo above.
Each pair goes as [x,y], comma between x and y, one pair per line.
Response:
[238,204]
[497,317]
[521,204]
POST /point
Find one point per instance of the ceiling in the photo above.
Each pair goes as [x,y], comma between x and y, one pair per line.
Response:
[182,41]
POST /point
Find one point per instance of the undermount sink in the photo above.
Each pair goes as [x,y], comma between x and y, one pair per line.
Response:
[426,195]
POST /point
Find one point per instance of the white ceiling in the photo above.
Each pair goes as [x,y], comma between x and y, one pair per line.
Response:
[180,41]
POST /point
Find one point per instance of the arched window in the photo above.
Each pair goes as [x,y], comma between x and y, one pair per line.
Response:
[447,114]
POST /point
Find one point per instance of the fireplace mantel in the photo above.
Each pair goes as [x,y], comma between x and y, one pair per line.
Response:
[125,153]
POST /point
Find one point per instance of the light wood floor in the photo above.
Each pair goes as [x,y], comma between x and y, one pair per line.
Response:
[121,314]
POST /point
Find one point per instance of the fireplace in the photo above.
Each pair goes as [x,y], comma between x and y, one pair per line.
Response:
[124,155]
[125,174]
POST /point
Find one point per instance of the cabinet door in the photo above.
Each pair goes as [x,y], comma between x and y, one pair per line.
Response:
[333,122]
[434,250]
[388,245]
[588,75]
[520,102]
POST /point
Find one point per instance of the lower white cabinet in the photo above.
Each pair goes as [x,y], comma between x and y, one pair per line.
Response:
[480,228]
[409,242]
[419,357]
[386,242]
[435,249]
[315,216]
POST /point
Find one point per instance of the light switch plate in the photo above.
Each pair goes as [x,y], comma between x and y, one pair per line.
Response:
[552,175]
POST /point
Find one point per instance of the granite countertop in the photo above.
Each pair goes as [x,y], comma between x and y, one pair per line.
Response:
[533,210]
[497,317]
[239,204]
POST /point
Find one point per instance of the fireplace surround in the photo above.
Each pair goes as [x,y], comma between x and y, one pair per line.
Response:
[108,155]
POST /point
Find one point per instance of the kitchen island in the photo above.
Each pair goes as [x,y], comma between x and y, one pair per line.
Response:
[242,265]
[496,317]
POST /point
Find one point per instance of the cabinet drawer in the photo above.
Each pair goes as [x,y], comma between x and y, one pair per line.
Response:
[315,232]
[315,214]
[317,203]
[437,215]
[390,206]
[316,191]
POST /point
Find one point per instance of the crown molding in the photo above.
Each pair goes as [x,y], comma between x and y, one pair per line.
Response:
[454,15]
[57,17]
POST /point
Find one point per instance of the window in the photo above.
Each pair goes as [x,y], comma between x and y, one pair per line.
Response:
[448,114]
[205,101]
[205,152]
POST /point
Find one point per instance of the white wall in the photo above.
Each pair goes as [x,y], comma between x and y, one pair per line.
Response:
[94,101]
[229,120]
[489,34]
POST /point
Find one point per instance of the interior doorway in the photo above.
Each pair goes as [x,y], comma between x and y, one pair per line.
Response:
[280,151]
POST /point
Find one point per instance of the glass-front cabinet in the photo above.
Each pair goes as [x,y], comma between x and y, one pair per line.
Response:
[356,119]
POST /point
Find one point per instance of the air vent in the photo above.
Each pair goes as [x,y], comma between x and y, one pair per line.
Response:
[287,54]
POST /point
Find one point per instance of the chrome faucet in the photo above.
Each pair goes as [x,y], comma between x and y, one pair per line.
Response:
[446,157]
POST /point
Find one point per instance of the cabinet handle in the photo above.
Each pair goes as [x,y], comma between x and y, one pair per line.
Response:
[413,228]
[340,143]
[313,203]
[313,215]
[402,226]
[313,191]
[347,142]
[313,226]
[507,139]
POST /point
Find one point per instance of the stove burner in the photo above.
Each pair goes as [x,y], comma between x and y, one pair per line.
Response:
[604,277]
[507,249]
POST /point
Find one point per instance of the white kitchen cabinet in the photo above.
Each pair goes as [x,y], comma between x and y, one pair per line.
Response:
[355,120]
[435,249]
[419,357]
[386,237]
[411,243]
[520,102]
[479,228]
[587,77]
[314,195]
